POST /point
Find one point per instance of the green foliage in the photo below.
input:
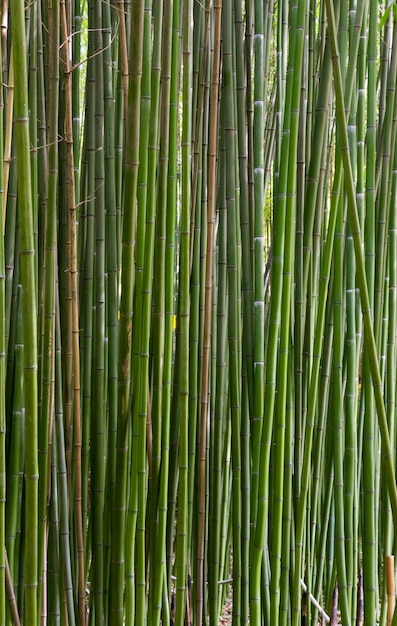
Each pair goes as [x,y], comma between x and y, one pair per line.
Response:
[198,301]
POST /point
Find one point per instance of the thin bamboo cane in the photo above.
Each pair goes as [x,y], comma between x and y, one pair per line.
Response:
[171,308]
[234,311]
[126,303]
[99,430]
[337,397]
[65,584]
[15,465]
[215,555]
[146,304]
[369,335]
[48,316]
[53,588]
[140,421]
[369,556]
[112,272]
[258,286]
[3,370]
[74,317]
[390,390]
[390,584]
[29,306]
[184,273]
[196,358]
[155,431]
[166,218]
[286,203]
[212,155]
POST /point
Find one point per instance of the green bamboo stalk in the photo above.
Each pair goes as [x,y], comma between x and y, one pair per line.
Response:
[369,554]
[98,430]
[66,587]
[200,87]
[312,395]
[29,306]
[313,198]
[146,304]
[355,227]
[287,508]
[77,24]
[351,497]
[258,228]
[86,271]
[243,60]
[387,525]
[337,410]
[15,464]
[181,564]
[171,237]
[385,146]
[212,156]
[160,77]
[11,257]
[313,383]
[53,575]
[71,200]
[163,308]
[135,564]
[323,472]
[234,311]
[126,303]
[48,317]
[286,198]
[42,144]
[217,463]
[171,29]
[31,20]
[3,371]
[196,329]
[112,281]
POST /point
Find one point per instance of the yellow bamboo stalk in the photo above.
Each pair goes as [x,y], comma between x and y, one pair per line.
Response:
[390,588]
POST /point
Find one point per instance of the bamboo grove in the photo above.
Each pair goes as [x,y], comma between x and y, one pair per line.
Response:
[198,309]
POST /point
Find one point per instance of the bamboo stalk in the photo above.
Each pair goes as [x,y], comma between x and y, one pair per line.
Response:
[29,306]
[70,183]
[391,588]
